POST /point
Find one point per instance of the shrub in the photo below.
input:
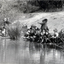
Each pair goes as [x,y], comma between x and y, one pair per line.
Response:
[61,34]
[14,32]
[28,8]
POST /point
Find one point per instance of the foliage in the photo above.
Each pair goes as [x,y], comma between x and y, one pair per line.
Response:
[34,5]
[27,6]
[61,34]
[14,32]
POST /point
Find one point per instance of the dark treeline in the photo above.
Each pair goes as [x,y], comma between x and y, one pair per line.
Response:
[44,4]
[47,4]
[50,4]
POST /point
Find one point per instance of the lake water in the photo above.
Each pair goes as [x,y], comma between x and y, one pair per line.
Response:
[23,52]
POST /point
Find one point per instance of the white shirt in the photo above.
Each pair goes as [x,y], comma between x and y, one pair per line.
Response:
[3,32]
[55,35]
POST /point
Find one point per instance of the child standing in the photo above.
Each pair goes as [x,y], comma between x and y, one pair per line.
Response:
[44,26]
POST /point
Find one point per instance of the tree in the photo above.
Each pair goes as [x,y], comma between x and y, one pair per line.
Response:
[46,4]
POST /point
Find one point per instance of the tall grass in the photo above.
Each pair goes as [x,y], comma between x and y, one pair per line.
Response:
[14,32]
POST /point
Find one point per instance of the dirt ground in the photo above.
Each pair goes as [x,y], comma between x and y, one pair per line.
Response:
[55,20]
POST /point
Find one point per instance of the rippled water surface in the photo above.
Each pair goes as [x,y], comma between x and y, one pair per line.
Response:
[23,52]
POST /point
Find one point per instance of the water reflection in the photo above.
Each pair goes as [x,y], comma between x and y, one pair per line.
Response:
[35,50]
[46,55]
[24,52]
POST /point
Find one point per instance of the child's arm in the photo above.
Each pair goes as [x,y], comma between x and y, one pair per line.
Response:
[39,23]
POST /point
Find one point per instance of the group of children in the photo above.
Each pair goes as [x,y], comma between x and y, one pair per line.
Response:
[3,29]
[41,34]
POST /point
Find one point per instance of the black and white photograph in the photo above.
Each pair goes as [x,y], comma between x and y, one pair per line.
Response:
[31,31]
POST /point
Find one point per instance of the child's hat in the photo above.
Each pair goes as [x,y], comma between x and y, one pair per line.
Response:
[45,20]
